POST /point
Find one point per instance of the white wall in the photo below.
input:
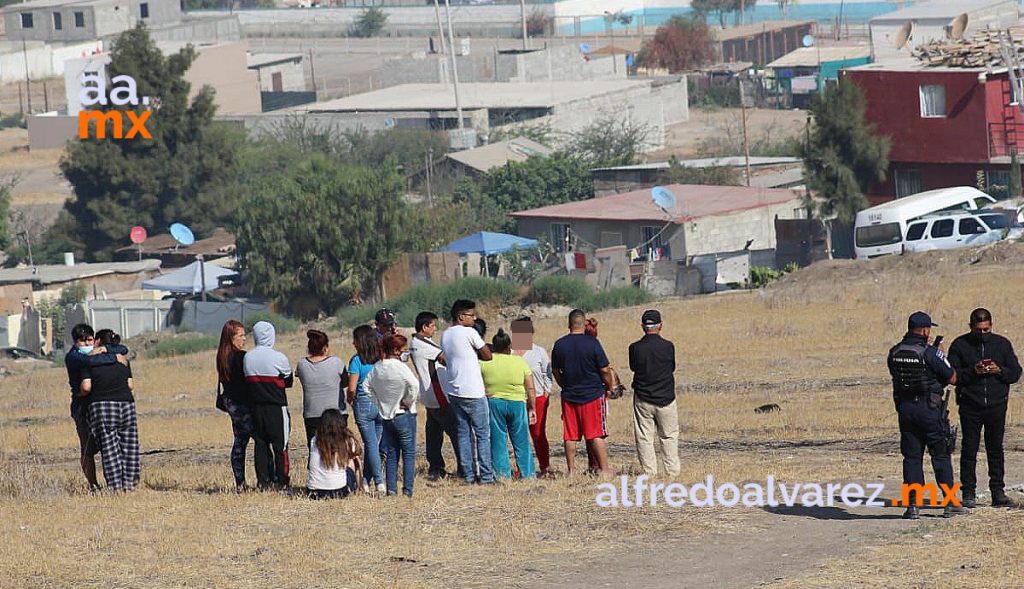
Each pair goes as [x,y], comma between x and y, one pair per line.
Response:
[46,61]
[730,232]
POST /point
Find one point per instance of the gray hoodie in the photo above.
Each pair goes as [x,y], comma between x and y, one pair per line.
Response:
[267,371]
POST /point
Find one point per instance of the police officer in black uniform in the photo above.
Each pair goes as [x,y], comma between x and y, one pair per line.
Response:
[920,372]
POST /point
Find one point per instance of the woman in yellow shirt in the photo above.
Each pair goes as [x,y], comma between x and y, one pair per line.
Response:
[511,398]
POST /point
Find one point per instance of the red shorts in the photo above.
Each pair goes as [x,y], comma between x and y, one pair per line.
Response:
[588,420]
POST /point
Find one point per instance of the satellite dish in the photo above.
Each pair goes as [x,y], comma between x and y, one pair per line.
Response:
[138,235]
[905,33]
[957,27]
[584,48]
[663,198]
[808,41]
[182,234]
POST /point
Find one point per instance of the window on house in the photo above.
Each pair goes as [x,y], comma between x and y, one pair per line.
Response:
[144,10]
[943,228]
[650,235]
[916,231]
[997,183]
[970,226]
[560,236]
[933,100]
[58,23]
[79,19]
[26,20]
[907,182]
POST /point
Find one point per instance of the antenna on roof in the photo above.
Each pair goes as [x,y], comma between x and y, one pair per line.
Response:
[138,235]
[663,199]
[182,234]
[906,33]
[957,27]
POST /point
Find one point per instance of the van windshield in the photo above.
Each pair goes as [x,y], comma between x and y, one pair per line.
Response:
[876,235]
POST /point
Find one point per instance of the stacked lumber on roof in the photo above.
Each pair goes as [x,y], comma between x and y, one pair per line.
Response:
[981,50]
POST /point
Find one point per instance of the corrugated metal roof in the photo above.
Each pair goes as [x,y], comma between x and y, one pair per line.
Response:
[500,153]
[812,56]
[709,162]
[256,60]
[753,29]
[56,273]
[692,202]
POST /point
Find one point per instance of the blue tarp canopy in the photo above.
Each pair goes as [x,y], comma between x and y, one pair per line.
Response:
[487,243]
[189,279]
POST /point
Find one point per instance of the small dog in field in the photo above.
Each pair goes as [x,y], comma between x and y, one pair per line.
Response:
[769,408]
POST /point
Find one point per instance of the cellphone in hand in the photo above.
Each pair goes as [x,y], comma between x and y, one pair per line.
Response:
[987,362]
[938,341]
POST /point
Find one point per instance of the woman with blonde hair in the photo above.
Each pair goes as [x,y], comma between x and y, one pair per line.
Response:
[233,394]
[334,458]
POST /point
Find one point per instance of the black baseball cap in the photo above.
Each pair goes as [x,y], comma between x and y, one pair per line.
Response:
[650,318]
[385,317]
[920,319]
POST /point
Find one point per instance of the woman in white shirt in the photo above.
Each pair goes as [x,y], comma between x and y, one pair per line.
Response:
[334,458]
[393,388]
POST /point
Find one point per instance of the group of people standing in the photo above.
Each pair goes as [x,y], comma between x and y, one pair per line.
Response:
[481,396]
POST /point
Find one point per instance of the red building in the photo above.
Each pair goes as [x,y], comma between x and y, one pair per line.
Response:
[950,126]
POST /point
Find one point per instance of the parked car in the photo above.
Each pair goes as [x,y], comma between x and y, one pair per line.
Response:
[953,230]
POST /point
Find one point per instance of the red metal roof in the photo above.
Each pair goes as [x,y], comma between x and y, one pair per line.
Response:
[692,202]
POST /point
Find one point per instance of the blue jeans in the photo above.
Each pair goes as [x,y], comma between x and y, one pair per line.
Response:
[509,420]
[370,427]
[472,422]
[399,442]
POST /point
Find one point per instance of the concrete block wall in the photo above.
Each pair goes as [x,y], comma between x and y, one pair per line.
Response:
[730,232]
[293,77]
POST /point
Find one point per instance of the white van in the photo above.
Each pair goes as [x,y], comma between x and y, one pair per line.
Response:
[879,231]
[943,231]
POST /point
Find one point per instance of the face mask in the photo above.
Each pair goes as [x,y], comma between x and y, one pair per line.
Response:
[985,337]
[85,350]
[404,357]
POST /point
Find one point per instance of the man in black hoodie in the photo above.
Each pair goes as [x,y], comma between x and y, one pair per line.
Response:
[985,368]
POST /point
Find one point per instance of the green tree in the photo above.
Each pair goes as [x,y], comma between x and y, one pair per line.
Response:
[369,23]
[316,235]
[183,174]
[713,175]
[722,8]
[843,155]
[519,186]
[6,233]
[609,141]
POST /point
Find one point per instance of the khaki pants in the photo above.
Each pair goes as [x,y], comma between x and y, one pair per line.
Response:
[650,420]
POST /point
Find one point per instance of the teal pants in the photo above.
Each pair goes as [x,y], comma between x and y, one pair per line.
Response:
[509,421]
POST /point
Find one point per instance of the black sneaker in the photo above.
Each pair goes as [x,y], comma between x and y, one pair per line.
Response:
[969,502]
[1001,500]
[912,512]
[953,511]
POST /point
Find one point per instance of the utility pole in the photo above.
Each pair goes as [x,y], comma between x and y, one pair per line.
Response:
[28,81]
[746,143]
[440,27]
[312,72]
[455,68]
[522,12]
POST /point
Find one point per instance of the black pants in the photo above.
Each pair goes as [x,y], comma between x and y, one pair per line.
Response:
[271,426]
[920,428]
[440,422]
[973,420]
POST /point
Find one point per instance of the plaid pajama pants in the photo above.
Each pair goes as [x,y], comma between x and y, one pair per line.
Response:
[115,427]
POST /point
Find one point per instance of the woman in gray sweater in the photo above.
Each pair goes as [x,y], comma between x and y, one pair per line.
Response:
[321,376]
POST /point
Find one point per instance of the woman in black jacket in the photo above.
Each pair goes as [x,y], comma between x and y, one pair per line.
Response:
[233,395]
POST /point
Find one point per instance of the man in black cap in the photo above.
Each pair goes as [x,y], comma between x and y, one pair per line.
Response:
[985,367]
[919,373]
[384,323]
[653,362]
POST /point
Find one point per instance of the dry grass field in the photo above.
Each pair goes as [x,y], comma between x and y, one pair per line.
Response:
[813,343]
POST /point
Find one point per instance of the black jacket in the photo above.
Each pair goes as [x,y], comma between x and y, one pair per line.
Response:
[989,389]
[653,362]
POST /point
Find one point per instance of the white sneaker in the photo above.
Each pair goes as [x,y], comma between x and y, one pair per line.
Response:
[366,487]
[381,488]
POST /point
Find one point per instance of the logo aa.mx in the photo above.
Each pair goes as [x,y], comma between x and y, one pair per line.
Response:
[123,92]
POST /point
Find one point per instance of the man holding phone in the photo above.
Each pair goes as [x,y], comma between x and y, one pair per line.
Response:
[985,367]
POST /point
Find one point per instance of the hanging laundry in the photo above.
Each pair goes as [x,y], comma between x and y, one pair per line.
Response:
[581,261]
[570,261]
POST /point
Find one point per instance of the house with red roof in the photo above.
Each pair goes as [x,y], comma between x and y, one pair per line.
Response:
[705,221]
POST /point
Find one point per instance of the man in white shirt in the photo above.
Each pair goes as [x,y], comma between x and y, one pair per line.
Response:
[434,388]
[463,348]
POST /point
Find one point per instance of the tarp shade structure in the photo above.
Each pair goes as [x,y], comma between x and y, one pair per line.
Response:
[487,243]
[189,279]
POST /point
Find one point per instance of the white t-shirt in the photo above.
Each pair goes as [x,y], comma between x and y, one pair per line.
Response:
[459,344]
[326,479]
[425,351]
[540,366]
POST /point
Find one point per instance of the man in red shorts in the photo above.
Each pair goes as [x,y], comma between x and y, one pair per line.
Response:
[582,370]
